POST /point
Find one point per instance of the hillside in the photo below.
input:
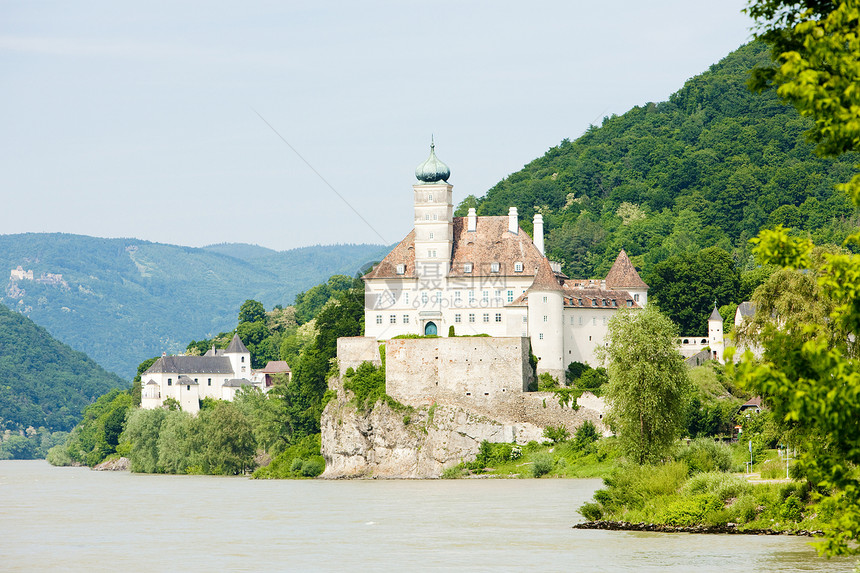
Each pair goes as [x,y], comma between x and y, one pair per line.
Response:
[43,382]
[124,300]
[711,166]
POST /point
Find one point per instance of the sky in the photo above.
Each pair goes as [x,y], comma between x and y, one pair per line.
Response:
[287,124]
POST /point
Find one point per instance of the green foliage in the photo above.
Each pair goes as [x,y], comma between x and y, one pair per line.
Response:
[686,285]
[33,443]
[547,382]
[591,511]
[542,465]
[556,434]
[291,462]
[367,384]
[585,434]
[648,383]
[99,432]
[705,455]
[451,331]
[574,371]
[309,302]
[252,311]
[592,380]
[43,382]
[706,169]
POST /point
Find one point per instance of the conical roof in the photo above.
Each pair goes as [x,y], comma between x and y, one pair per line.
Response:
[715,315]
[623,274]
[545,279]
[236,346]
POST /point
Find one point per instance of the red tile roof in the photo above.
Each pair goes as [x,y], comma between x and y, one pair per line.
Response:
[623,274]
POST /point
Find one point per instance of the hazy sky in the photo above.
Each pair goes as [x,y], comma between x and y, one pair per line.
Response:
[140,120]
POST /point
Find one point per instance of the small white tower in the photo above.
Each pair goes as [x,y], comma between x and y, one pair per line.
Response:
[715,334]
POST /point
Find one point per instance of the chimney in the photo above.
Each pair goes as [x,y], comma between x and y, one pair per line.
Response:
[513,221]
[538,232]
[472,220]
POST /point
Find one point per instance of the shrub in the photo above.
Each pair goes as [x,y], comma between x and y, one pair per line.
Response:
[773,469]
[592,380]
[792,509]
[543,464]
[705,455]
[547,382]
[296,466]
[690,510]
[574,371]
[591,511]
[585,434]
[723,485]
[367,384]
[313,466]
[556,434]
[516,452]
[454,472]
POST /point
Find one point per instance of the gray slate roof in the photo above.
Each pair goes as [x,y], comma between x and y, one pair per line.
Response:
[237,382]
[192,365]
[186,380]
[715,315]
[236,345]
[746,308]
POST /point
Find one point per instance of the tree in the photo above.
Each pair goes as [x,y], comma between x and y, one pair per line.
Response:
[252,311]
[685,287]
[648,384]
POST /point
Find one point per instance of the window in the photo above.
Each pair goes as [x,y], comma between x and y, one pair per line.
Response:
[629,303]
[401,269]
[427,217]
[545,318]
[405,319]
[605,302]
[471,317]
[195,380]
[457,318]
[636,297]
[431,235]
[424,297]
[494,267]
[580,321]
[498,317]
[435,216]
[594,321]
[540,336]
[594,302]
[525,319]
[485,297]
[430,197]
[406,298]
[188,387]
[614,302]
[579,301]
[392,319]
[544,299]
[510,296]
[518,267]
[467,267]
[243,359]
[457,296]
[170,381]
[431,253]
[209,382]
[497,295]
[471,296]
[486,317]
[378,319]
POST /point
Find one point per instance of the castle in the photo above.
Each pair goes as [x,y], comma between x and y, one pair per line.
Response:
[218,374]
[485,275]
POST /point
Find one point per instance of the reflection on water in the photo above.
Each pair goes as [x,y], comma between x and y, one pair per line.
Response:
[74,518]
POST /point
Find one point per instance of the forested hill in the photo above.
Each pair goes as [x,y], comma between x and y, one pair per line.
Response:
[711,166]
[43,382]
[125,300]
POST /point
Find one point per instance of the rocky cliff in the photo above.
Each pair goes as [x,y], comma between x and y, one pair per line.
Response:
[420,441]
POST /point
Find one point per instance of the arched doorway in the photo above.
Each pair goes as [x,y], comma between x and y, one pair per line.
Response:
[430,329]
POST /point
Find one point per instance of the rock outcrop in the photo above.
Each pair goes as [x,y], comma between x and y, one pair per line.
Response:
[393,441]
[114,465]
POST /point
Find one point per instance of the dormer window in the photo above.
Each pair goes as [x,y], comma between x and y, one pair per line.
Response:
[467,267]
[401,269]
[518,267]
[614,302]
[594,302]
[494,267]
[629,303]
[579,301]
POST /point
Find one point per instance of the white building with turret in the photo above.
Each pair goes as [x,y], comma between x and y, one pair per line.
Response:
[218,374]
[486,276]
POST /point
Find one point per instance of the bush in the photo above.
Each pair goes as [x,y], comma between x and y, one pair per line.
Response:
[585,434]
[296,466]
[454,472]
[705,455]
[367,384]
[556,434]
[543,464]
[574,371]
[690,510]
[792,509]
[313,467]
[591,511]
[593,380]
[547,382]
[773,469]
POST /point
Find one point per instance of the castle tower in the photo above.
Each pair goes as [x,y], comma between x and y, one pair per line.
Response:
[546,321]
[715,334]
[623,276]
[434,218]
[240,357]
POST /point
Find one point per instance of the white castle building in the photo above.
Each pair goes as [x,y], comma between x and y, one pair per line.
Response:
[218,374]
[485,275]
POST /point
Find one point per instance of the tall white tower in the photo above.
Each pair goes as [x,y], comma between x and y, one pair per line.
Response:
[434,218]
[715,334]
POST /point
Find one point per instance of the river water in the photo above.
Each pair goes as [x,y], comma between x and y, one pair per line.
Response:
[78,519]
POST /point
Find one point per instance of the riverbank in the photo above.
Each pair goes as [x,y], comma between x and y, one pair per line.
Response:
[726,528]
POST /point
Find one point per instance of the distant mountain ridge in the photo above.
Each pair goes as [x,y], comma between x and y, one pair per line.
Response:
[43,382]
[124,300]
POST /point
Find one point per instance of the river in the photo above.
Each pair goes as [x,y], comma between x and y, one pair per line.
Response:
[78,519]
